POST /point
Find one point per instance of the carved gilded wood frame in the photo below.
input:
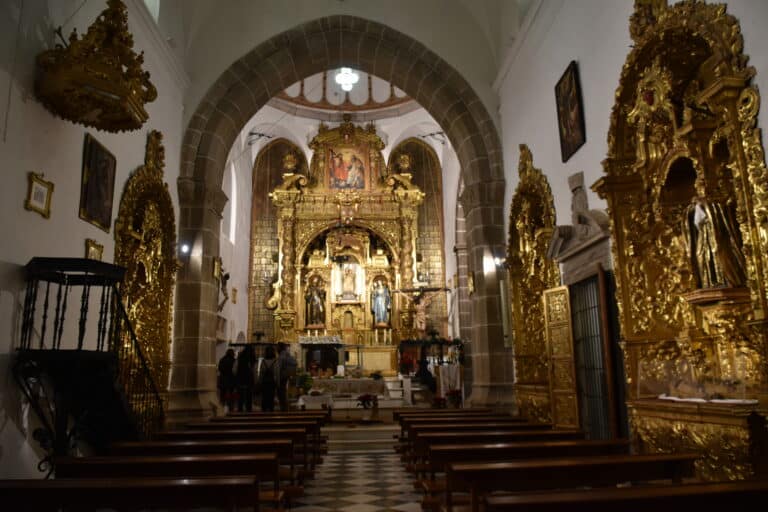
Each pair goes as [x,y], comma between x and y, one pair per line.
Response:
[684,124]
[145,244]
[531,223]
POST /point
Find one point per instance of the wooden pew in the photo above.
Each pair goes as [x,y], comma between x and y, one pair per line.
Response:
[407,421]
[419,447]
[397,412]
[297,435]
[233,493]
[283,448]
[703,496]
[262,467]
[596,471]
[311,427]
[442,455]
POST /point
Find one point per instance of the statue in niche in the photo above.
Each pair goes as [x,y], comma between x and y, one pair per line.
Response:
[381,304]
[348,278]
[711,238]
[314,299]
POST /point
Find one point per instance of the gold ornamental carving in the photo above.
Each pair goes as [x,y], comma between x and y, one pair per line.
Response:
[730,441]
[532,220]
[562,368]
[145,244]
[346,218]
[687,192]
[97,80]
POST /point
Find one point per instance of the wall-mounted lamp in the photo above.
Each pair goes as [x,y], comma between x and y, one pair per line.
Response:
[500,262]
[184,249]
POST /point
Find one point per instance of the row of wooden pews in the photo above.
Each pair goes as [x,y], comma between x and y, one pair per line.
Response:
[249,461]
[472,460]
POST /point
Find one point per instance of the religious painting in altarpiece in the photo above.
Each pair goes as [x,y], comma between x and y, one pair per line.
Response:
[348,224]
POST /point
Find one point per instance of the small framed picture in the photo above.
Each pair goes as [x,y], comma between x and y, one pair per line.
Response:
[93,250]
[98,184]
[570,112]
[39,195]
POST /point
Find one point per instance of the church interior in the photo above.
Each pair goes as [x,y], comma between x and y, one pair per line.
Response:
[383,256]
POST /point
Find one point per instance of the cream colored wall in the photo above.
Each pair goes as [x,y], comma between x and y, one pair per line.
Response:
[594,33]
[32,139]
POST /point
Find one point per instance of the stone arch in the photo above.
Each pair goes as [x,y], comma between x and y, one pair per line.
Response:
[246,86]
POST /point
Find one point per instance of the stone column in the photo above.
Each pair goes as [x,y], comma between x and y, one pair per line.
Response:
[192,391]
[492,364]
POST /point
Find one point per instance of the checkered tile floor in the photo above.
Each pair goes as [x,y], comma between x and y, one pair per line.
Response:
[370,481]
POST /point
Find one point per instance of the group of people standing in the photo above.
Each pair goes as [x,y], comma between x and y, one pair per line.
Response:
[244,377]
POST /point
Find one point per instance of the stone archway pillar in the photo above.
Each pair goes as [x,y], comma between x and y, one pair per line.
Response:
[192,391]
[492,363]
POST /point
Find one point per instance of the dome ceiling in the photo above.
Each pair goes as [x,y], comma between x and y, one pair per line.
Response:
[321,97]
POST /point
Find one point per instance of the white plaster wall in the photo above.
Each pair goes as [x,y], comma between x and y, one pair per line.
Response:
[222,32]
[32,139]
[594,33]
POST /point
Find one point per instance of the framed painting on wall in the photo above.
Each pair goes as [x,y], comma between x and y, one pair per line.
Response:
[98,184]
[93,250]
[346,169]
[39,195]
[570,112]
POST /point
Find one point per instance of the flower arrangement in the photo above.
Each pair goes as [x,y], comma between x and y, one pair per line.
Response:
[367,400]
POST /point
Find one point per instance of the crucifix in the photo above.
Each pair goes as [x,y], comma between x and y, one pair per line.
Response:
[420,298]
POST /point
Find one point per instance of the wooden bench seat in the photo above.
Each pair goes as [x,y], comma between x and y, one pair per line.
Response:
[698,496]
[230,493]
[440,456]
[423,441]
[405,411]
[263,467]
[283,448]
[597,471]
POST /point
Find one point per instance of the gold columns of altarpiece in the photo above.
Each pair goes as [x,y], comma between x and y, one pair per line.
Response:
[684,127]
[531,223]
[321,205]
[145,244]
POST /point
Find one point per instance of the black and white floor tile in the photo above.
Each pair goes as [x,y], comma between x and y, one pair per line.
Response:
[370,481]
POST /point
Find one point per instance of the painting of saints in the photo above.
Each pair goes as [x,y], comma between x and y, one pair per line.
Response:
[346,170]
[570,112]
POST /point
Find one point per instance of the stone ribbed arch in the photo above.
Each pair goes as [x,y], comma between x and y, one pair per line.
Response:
[245,87]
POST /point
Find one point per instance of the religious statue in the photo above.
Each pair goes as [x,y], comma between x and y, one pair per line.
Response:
[381,304]
[314,298]
[711,238]
[348,283]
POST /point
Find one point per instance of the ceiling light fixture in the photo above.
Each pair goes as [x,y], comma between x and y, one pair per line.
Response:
[346,78]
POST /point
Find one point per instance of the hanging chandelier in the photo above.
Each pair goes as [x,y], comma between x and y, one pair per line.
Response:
[97,80]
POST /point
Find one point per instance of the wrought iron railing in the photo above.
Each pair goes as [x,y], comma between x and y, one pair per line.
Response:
[45,334]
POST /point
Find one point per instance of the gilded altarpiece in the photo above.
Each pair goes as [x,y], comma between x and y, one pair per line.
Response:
[349,227]
[531,223]
[145,244]
[687,192]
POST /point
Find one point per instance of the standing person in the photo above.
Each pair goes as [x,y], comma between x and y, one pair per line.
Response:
[269,376]
[226,382]
[244,378]
[287,364]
